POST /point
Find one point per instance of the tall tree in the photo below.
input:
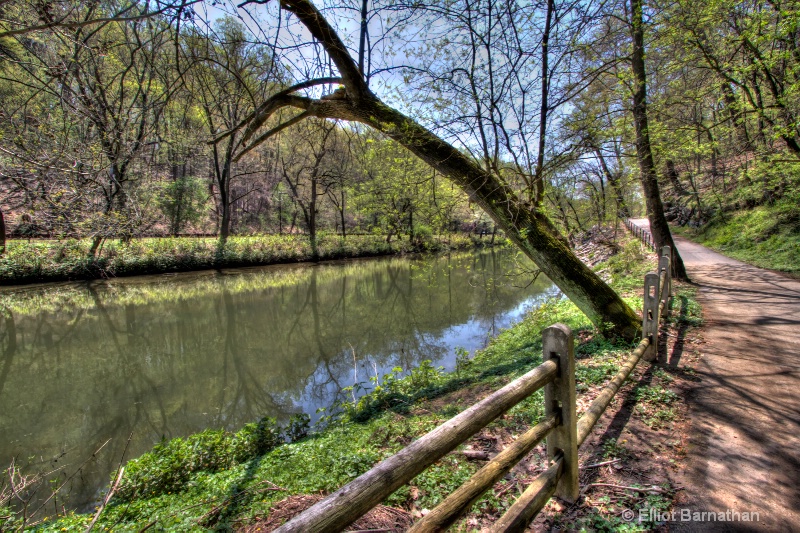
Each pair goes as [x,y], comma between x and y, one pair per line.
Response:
[304,165]
[105,86]
[230,76]
[752,49]
[22,17]
[647,169]
[2,233]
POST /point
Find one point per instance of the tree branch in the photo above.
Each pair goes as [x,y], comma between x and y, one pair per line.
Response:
[312,19]
[263,137]
[260,115]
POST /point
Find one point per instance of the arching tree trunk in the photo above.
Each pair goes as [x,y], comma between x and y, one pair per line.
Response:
[655,209]
[529,229]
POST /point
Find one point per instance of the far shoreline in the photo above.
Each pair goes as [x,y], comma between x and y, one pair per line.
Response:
[32,263]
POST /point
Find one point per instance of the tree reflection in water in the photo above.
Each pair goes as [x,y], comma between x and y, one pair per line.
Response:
[166,356]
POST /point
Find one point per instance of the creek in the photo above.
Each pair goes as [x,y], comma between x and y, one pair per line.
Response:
[132,361]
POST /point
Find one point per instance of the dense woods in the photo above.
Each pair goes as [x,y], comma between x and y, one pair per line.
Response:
[121,120]
[107,130]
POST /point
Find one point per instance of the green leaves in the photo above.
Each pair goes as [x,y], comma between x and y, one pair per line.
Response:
[170,465]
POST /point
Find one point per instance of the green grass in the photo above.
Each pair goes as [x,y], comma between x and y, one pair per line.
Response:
[215,480]
[766,236]
[59,260]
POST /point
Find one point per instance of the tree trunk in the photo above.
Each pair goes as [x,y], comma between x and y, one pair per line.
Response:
[672,176]
[341,214]
[95,246]
[411,222]
[622,206]
[224,182]
[362,42]
[710,136]
[655,209]
[2,233]
[735,115]
[538,180]
[531,231]
[225,222]
[312,219]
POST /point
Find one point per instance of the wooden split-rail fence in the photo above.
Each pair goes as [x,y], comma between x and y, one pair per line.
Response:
[644,235]
[563,430]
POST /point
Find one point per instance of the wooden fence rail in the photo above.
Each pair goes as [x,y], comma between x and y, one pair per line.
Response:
[642,234]
[561,428]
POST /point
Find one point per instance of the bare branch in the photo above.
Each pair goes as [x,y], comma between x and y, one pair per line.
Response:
[312,19]
[270,133]
[267,108]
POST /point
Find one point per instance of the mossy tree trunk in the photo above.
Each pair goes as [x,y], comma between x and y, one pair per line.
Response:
[528,228]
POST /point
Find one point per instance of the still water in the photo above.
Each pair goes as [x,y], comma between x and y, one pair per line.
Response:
[166,356]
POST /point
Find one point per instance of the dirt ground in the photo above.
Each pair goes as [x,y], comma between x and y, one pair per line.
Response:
[743,447]
[634,458]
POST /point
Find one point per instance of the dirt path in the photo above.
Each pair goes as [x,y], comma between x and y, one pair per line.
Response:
[744,450]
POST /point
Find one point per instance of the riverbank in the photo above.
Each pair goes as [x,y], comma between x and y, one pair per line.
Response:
[45,261]
[219,480]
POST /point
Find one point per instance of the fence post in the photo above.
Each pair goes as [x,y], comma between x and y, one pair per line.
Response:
[665,266]
[650,315]
[559,396]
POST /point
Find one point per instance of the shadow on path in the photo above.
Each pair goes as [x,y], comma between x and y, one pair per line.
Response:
[744,450]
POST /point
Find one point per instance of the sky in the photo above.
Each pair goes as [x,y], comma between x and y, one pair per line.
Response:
[403,57]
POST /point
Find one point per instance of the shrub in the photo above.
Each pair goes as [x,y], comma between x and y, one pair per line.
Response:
[170,465]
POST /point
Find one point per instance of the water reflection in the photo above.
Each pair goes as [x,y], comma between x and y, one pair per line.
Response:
[166,356]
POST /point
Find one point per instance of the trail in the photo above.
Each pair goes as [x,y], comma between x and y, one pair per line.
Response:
[744,449]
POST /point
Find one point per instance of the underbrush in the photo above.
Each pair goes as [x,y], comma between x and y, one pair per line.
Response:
[221,481]
[767,235]
[756,218]
[58,260]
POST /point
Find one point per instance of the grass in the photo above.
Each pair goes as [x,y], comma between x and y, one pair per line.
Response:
[767,236]
[655,404]
[218,480]
[60,260]
[30,300]
[756,219]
